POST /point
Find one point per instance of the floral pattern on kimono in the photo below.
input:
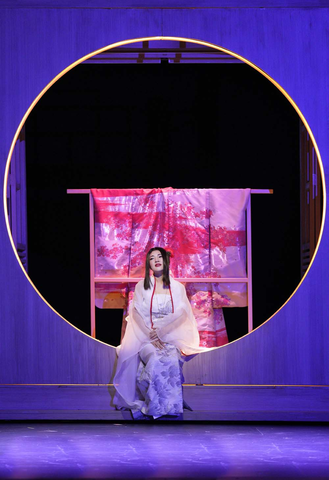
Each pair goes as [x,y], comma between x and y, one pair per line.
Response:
[159,380]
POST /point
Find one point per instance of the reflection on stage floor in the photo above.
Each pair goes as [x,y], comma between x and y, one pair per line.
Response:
[163,450]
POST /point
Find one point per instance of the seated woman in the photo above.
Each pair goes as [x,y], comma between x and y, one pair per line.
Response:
[161,330]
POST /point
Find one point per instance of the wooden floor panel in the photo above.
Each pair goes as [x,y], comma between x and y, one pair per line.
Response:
[209,403]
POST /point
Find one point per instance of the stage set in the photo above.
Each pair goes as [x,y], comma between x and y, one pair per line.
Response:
[260,397]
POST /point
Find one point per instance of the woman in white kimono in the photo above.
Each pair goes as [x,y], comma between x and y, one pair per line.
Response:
[161,330]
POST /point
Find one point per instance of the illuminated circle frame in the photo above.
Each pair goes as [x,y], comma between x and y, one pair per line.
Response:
[177,39]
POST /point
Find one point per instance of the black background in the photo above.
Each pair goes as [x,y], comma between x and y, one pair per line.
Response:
[184,126]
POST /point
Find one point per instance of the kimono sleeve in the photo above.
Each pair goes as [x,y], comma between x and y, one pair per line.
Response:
[136,316]
[181,327]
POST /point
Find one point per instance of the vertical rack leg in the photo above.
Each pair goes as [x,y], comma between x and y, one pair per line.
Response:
[23,199]
[12,194]
[249,267]
[92,266]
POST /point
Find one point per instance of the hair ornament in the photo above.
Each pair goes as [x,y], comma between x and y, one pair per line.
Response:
[170,252]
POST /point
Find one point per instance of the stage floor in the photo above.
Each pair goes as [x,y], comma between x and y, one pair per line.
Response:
[163,450]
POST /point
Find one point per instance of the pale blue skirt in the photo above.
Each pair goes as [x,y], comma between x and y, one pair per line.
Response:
[159,381]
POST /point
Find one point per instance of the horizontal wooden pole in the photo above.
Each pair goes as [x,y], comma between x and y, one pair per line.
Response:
[78,190]
[86,190]
[184,280]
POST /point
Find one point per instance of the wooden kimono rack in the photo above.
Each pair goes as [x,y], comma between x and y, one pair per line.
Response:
[94,280]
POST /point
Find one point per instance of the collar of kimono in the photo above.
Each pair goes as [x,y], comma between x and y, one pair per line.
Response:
[172,302]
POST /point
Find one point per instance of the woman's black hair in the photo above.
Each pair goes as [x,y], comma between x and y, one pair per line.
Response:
[166,263]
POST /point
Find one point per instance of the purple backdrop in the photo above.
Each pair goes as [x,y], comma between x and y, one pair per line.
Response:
[289,44]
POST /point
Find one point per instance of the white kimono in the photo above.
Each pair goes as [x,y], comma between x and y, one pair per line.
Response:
[177,330]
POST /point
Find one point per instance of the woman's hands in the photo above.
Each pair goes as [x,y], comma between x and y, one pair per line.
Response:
[155,340]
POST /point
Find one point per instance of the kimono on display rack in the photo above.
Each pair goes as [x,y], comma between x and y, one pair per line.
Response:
[204,227]
[206,230]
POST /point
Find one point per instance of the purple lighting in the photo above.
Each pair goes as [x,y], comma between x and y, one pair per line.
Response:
[102,450]
[58,418]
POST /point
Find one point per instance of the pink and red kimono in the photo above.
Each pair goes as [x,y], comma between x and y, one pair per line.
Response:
[205,228]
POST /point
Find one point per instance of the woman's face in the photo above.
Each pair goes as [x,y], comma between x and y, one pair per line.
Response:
[156,261]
